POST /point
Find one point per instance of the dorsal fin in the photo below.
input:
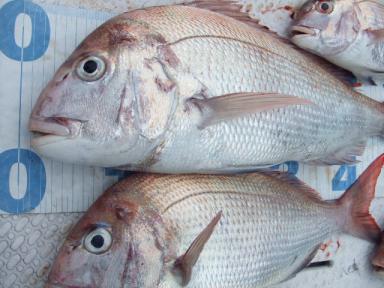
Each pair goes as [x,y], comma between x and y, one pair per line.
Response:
[295,182]
[235,9]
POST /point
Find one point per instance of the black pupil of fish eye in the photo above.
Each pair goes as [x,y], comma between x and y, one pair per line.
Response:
[90,66]
[325,6]
[97,241]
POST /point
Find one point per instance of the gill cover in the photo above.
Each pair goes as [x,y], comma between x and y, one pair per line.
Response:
[154,99]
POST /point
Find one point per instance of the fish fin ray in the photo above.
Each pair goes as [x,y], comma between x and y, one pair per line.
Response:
[184,264]
[228,8]
[356,202]
[375,36]
[345,156]
[226,107]
[293,181]
[303,263]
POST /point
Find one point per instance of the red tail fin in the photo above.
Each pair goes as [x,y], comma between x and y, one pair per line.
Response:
[357,200]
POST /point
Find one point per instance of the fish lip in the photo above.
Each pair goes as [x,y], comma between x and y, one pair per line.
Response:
[302,31]
[55,126]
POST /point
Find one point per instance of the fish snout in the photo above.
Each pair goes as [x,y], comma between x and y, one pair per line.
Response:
[59,126]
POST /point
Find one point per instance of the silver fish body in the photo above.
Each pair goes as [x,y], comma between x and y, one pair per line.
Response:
[349,34]
[265,229]
[176,97]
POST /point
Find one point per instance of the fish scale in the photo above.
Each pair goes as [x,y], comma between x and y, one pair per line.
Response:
[272,223]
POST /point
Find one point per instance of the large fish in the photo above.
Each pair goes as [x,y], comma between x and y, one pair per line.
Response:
[248,231]
[349,33]
[181,89]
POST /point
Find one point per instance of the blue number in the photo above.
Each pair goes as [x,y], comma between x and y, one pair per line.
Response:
[40,30]
[292,167]
[340,185]
[35,184]
[121,174]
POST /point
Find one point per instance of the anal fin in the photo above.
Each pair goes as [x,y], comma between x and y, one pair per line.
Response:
[346,155]
[299,263]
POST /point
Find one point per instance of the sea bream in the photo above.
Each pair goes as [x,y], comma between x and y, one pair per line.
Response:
[205,231]
[349,33]
[179,89]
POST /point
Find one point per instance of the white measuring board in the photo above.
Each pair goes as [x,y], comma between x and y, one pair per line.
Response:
[35,38]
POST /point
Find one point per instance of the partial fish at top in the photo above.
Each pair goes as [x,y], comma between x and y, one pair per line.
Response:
[181,89]
[349,33]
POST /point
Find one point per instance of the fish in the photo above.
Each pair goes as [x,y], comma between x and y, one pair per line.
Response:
[244,230]
[378,259]
[178,89]
[348,33]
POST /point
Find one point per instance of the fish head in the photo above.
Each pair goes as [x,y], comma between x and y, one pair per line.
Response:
[117,243]
[325,27]
[102,107]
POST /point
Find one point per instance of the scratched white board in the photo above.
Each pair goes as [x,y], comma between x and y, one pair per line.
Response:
[35,38]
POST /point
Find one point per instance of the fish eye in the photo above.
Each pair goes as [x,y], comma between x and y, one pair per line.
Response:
[91,68]
[324,7]
[98,241]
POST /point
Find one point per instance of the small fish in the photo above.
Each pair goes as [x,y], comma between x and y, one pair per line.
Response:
[158,90]
[249,230]
[348,33]
[378,260]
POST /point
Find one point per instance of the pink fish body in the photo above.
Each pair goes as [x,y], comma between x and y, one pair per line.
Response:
[246,231]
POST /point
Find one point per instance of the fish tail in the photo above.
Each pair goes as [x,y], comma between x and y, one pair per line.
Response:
[356,201]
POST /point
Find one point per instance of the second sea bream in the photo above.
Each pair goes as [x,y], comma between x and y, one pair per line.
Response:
[179,89]
[208,231]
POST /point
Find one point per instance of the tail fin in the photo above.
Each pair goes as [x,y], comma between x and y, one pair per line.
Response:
[357,200]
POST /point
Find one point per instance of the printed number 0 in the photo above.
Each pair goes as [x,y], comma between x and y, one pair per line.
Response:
[40,30]
[36,180]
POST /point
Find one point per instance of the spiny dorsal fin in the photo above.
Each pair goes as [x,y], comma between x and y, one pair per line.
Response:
[295,182]
[235,10]
[184,264]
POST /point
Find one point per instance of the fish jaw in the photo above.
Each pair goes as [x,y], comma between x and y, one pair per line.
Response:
[306,37]
[80,150]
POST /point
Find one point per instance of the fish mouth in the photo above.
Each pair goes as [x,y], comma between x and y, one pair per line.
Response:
[302,31]
[55,126]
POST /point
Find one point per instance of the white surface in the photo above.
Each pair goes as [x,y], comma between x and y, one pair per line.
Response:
[72,188]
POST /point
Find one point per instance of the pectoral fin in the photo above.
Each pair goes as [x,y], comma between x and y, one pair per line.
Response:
[235,105]
[182,268]
[375,36]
